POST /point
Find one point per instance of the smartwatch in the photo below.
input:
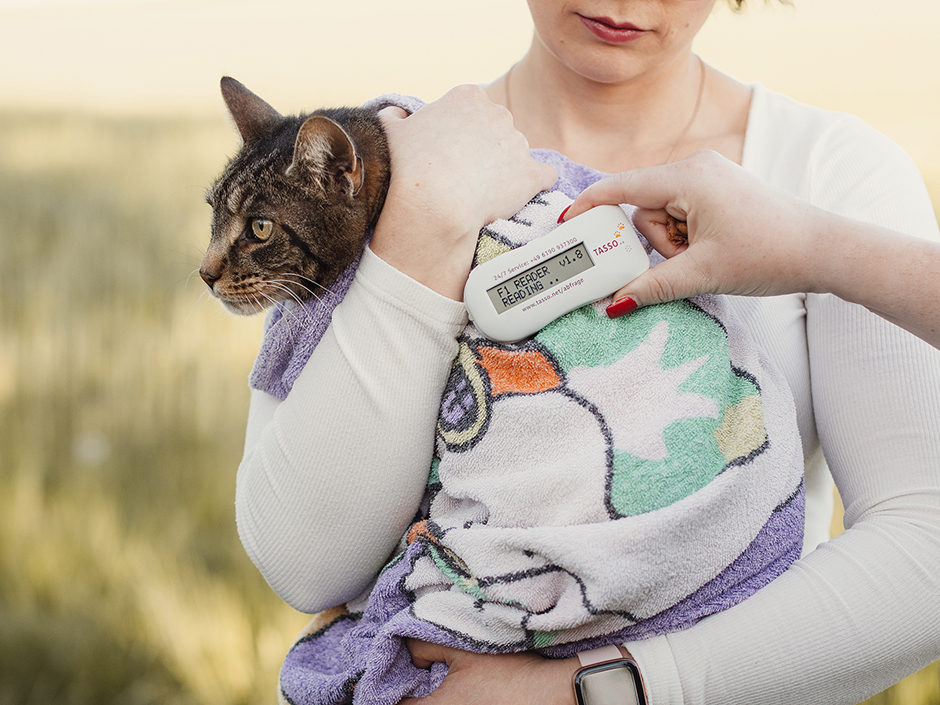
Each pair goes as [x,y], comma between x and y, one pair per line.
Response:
[607,678]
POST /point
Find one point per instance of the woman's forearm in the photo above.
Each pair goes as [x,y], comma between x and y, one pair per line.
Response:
[893,275]
[333,474]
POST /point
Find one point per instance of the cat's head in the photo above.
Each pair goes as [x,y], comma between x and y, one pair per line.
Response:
[293,207]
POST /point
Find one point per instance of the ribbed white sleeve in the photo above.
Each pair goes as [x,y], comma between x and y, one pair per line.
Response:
[863,610]
[332,476]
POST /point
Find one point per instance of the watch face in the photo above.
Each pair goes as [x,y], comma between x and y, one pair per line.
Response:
[615,683]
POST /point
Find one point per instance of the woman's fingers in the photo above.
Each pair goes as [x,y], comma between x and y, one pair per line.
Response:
[653,225]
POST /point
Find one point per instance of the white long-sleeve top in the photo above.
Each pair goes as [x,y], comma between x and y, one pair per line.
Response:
[332,475]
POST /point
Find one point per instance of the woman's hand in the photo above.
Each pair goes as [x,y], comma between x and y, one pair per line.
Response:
[744,236]
[457,164]
[514,679]
[750,239]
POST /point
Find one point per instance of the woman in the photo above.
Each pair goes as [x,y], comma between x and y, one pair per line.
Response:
[614,85]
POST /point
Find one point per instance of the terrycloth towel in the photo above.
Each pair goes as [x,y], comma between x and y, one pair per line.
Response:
[603,481]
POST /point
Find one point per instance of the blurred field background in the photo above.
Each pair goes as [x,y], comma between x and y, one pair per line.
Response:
[123,388]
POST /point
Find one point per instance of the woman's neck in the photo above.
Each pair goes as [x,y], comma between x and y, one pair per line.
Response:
[645,121]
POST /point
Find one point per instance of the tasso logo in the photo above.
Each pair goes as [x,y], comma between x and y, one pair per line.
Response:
[613,243]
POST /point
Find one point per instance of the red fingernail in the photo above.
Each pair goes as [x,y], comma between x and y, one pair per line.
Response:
[621,307]
[562,216]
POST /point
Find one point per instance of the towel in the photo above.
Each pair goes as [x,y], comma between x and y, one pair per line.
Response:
[601,482]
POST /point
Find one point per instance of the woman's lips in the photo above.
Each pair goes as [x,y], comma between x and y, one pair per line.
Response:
[607,30]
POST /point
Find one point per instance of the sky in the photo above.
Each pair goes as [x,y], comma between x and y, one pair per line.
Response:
[877,59]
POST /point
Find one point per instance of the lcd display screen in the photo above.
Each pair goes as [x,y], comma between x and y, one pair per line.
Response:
[540,278]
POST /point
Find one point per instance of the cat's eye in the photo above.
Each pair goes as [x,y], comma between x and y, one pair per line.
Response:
[262,228]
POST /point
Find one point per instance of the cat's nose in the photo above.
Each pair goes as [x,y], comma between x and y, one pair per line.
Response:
[209,276]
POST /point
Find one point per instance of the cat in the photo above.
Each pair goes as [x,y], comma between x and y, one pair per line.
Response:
[292,209]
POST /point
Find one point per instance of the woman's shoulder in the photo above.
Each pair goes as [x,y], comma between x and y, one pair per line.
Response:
[832,159]
[783,132]
[837,162]
[784,113]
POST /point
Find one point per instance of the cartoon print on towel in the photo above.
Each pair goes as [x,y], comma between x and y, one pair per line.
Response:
[643,421]
[603,481]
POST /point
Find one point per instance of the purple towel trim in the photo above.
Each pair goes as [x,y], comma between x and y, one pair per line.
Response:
[292,333]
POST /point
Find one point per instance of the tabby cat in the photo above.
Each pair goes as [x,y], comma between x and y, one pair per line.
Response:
[293,207]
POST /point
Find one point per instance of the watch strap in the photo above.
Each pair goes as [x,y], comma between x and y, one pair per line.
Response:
[602,654]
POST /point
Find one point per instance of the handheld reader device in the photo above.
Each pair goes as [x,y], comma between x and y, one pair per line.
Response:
[516,294]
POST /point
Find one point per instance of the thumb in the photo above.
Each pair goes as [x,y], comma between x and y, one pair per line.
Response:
[424,654]
[611,190]
[648,187]
[670,280]
[547,177]
[392,113]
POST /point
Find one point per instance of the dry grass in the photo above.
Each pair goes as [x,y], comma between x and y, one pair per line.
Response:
[122,403]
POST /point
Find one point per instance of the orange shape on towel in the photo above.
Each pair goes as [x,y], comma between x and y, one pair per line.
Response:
[418,531]
[518,371]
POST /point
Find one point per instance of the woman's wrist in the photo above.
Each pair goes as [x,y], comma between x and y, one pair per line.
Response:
[847,256]
[403,238]
[564,673]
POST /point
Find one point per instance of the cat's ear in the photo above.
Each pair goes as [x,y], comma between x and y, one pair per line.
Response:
[253,117]
[325,152]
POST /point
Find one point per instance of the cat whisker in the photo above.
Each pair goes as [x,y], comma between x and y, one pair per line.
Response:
[292,283]
[202,251]
[314,294]
[258,303]
[198,248]
[190,277]
[187,257]
[278,285]
[312,281]
[287,285]
[195,304]
[222,312]
[267,296]
[287,318]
